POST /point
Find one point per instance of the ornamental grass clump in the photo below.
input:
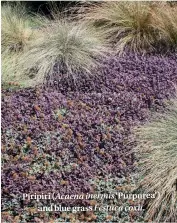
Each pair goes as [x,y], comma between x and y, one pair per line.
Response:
[16,36]
[127,24]
[11,76]
[16,31]
[8,67]
[166,21]
[64,50]
[158,149]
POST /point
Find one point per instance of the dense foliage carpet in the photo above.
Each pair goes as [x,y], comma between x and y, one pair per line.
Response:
[69,140]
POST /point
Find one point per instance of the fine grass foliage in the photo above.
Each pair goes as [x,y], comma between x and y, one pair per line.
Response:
[157,146]
[8,67]
[127,24]
[65,48]
[136,26]
[10,76]
[166,21]
[16,31]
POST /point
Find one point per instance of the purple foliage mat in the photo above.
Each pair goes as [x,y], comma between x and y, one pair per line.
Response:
[150,74]
[58,140]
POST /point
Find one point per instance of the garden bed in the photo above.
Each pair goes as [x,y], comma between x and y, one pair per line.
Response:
[69,141]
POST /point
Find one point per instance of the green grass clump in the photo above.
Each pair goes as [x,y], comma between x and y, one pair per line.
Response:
[157,147]
[71,48]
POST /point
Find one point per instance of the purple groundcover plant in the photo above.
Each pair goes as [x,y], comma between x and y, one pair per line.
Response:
[151,75]
[61,139]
